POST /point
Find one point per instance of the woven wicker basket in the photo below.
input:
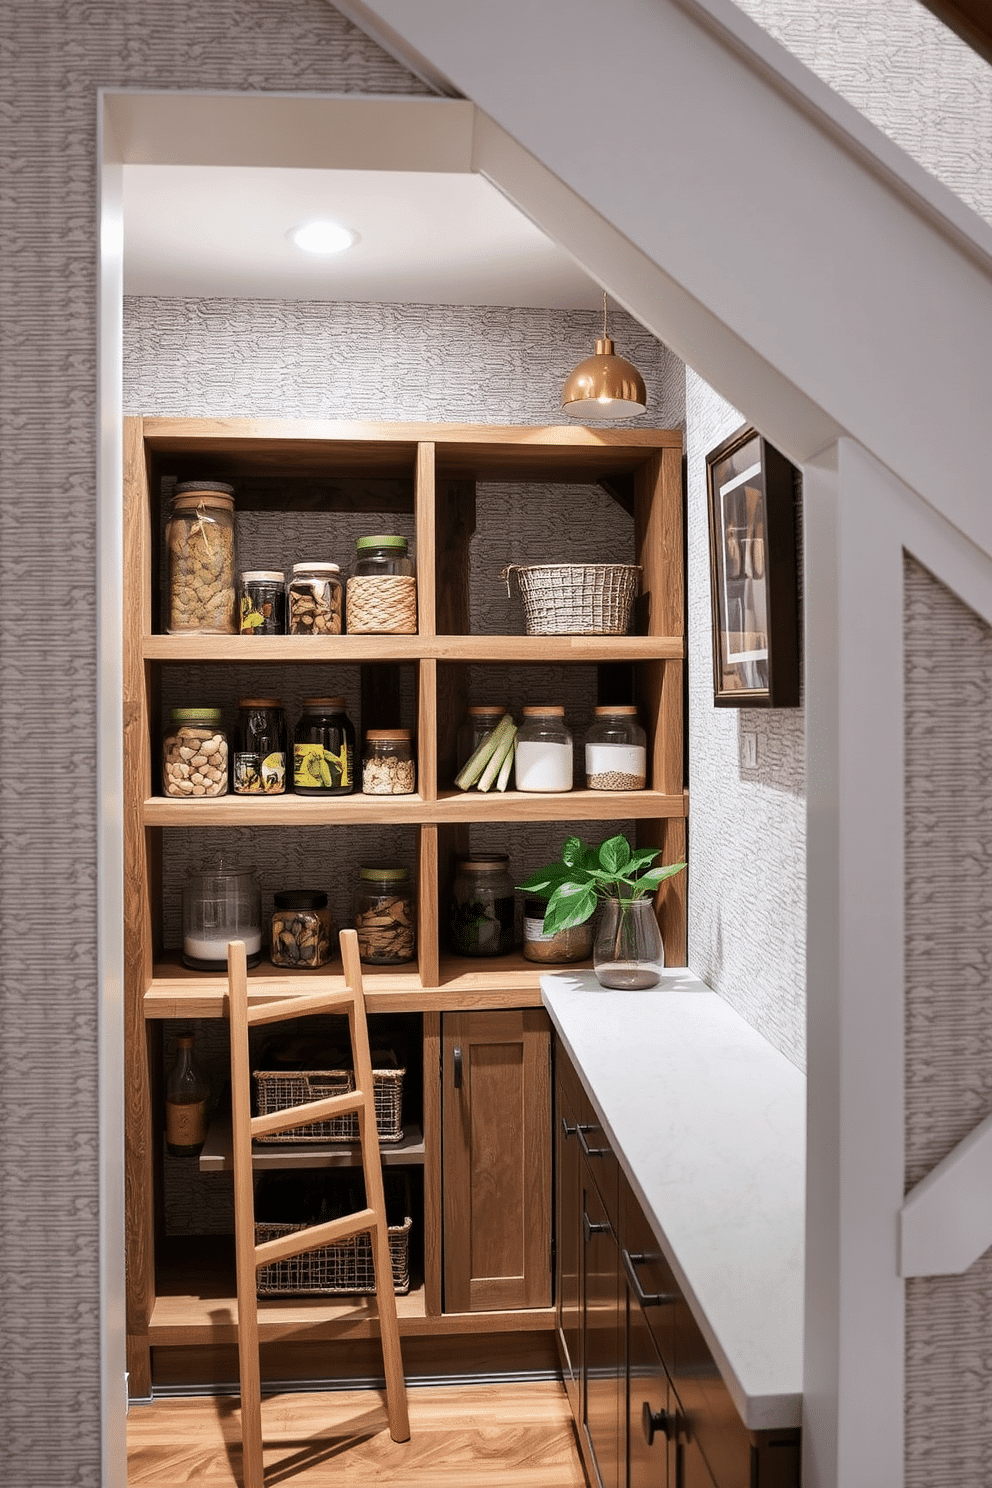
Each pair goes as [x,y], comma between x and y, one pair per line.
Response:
[383,604]
[275,1090]
[576,598]
[346,1267]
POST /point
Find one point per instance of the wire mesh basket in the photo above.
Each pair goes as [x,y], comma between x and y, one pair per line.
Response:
[275,1090]
[346,1267]
[576,598]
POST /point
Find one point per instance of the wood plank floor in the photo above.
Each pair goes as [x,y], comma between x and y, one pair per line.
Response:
[462,1436]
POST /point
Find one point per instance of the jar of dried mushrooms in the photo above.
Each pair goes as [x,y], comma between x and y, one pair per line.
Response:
[385,916]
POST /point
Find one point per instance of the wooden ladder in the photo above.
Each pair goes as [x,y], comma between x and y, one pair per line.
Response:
[371,1220]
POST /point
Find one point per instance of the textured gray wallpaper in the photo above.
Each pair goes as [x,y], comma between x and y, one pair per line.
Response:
[747,824]
[948,667]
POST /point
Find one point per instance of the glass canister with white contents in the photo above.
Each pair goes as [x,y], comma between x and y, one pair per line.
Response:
[543,758]
[616,750]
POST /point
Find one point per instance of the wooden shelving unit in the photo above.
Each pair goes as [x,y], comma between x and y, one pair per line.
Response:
[428,472]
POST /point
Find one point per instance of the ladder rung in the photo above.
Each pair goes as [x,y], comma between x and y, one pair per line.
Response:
[347,1104]
[300,1007]
[314,1237]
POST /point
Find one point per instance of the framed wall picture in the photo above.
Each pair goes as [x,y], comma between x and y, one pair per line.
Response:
[752,509]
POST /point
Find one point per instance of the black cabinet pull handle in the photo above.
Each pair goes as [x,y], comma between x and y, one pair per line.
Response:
[566,1130]
[592,1227]
[646,1299]
[456,1061]
[654,1422]
[590,1151]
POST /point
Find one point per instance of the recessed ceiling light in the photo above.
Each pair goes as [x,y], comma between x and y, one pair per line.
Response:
[322,237]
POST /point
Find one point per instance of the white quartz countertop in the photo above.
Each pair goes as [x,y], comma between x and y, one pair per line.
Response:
[708,1121]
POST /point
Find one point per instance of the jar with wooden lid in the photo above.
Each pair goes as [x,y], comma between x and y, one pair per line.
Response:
[315,600]
[387,763]
[301,929]
[543,758]
[194,754]
[262,601]
[324,749]
[385,916]
[382,592]
[482,911]
[260,750]
[199,540]
[616,750]
[480,720]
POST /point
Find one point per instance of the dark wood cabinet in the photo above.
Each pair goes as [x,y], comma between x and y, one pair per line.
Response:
[652,1408]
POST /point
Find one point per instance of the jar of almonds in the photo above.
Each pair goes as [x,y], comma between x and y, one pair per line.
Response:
[301,929]
[315,600]
[199,539]
[194,754]
[385,916]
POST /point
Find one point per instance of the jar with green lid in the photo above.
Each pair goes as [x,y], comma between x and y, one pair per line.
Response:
[481,916]
[385,916]
[387,763]
[260,748]
[382,592]
[324,749]
[301,929]
[480,720]
[315,600]
[262,601]
[616,750]
[199,540]
[194,754]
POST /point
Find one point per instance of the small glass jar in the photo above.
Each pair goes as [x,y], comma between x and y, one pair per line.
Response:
[262,601]
[616,750]
[543,757]
[194,754]
[574,944]
[199,540]
[301,929]
[385,916]
[480,720]
[387,764]
[315,600]
[324,749]
[482,906]
[260,748]
[382,592]
[221,903]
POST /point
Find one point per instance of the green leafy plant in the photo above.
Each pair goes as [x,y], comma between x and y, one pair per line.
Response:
[574,885]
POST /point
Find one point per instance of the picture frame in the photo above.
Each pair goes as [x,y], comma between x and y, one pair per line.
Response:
[751,491]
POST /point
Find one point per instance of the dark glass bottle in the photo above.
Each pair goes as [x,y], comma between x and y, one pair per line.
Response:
[187,1102]
[324,749]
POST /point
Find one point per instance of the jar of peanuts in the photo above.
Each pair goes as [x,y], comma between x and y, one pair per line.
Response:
[194,754]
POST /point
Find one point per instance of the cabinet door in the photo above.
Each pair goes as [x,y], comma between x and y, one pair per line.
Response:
[651,1454]
[496,1160]
[602,1340]
[568,1233]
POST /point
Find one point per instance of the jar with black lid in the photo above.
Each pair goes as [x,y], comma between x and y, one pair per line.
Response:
[324,749]
[199,540]
[262,601]
[482,906]
[260,750]
[385,916]
[301,929]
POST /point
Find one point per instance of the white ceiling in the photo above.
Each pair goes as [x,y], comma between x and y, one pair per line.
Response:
[425,238]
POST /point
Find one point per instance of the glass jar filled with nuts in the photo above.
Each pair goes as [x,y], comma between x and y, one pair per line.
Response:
[387,764]
[194,754]
[385,916]
[315,600]
[199,540]
[301,929]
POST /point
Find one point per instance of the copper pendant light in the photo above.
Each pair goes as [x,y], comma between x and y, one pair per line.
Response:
[604,387]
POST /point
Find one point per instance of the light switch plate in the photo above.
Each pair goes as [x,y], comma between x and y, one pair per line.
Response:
[749,750]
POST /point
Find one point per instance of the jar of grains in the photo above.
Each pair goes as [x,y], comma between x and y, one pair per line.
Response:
[482,906]
[194,753]
[480,720]
[574,944]
[315,600]
[324,749]
[260,748]
[616,750]
[301,929]
[385,916]
[382,592]
[543,758]
[262,601]
[199,539]
[387,765]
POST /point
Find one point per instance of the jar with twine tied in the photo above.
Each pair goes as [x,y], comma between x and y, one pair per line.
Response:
[382,592]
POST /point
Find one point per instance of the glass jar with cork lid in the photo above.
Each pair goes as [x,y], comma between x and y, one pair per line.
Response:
[199,540]
[616,750]
[543,758]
